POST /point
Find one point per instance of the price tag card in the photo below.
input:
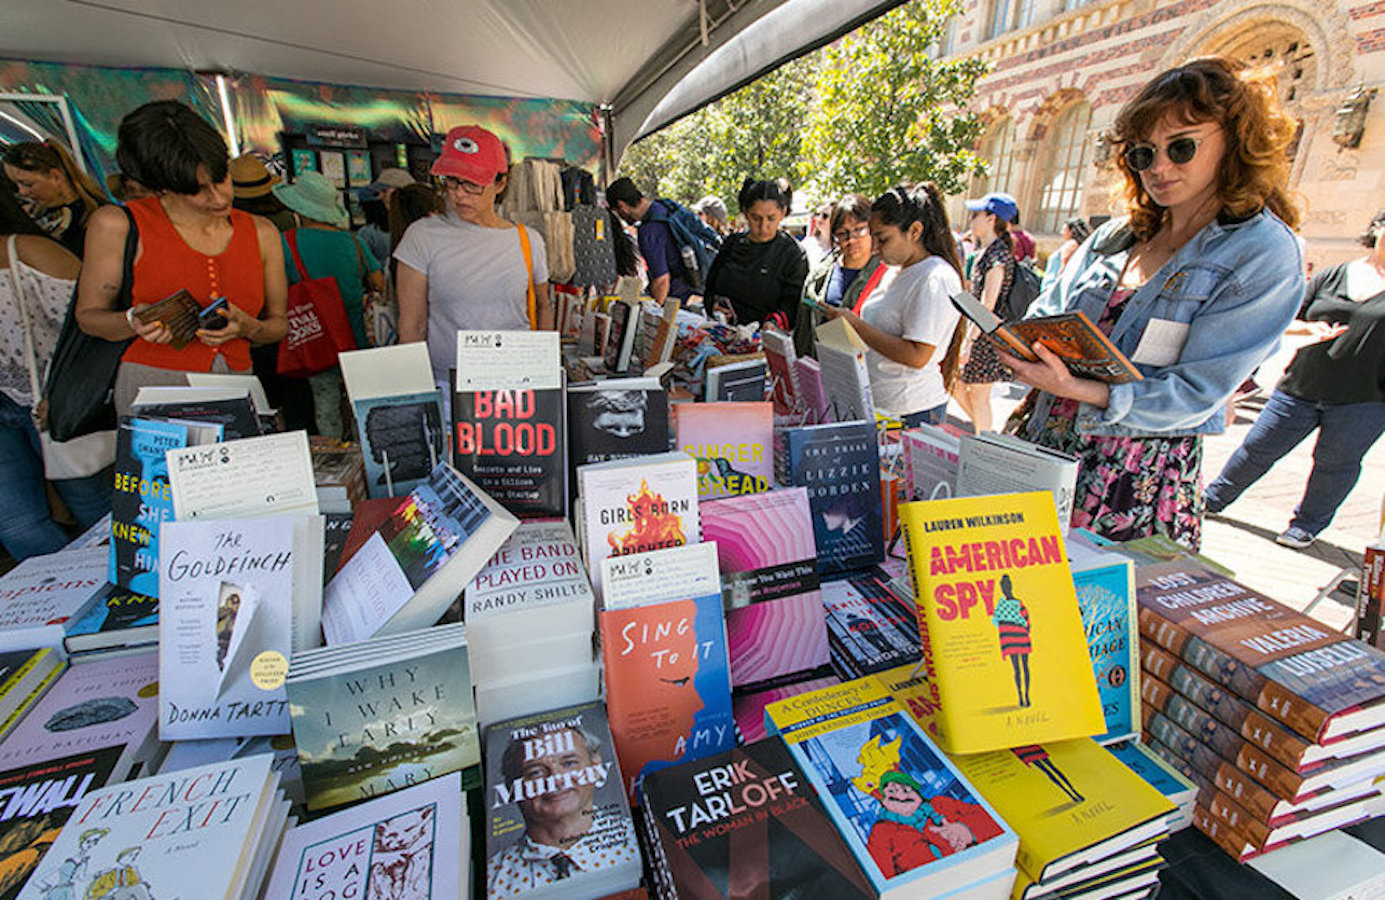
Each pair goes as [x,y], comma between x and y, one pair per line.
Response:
[508,361]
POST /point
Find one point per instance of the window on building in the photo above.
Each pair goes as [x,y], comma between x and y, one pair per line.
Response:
[1069,5]
[948,41]
[1065,169]
[1008,15]
[998,150]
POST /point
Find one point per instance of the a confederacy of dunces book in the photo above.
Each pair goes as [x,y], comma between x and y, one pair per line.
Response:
[668,688]
[746,823]
[403,845]
[381,715]
[557,821]
[192,833]
[917,827]
[1002,636]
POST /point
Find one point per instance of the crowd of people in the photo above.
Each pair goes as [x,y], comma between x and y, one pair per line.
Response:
[1195,280]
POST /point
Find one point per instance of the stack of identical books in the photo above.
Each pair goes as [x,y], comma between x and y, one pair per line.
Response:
[1280,722]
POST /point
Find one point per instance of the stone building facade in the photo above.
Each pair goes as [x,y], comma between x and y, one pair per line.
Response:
[1063,68]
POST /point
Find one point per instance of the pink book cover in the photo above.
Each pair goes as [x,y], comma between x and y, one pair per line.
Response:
[732,443]
[811,392]
[779,356]
[775,623]
[749,709]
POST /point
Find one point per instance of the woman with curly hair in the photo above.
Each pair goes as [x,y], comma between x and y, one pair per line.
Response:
[1195,285]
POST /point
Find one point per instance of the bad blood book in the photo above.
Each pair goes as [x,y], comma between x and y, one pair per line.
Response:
[746,823]
[1071,336]
[1002,637]
[514,446]
[1321,684]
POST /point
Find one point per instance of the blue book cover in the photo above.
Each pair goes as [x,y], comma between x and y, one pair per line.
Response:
[141,501]
[118,610]
[1158,773]
[1105,584]
[906,812]
[403,438]
[839,464]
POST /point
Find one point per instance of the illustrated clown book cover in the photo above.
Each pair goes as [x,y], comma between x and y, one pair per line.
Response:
[905,810]
[1004,646]
[746,823]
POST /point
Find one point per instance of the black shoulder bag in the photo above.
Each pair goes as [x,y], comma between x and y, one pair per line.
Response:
[81,379]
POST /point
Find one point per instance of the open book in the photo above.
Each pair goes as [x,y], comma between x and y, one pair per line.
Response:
[1087,352]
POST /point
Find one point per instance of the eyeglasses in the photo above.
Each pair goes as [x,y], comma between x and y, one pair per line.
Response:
[859,231]
[1180,150]
[467,187]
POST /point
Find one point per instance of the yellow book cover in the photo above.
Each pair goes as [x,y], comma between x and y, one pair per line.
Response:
[1071,802]
[1003,644]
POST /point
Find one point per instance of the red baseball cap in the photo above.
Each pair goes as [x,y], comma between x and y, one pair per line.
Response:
[471,153]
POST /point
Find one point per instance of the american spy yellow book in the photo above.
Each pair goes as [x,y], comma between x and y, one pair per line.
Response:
[1003,645]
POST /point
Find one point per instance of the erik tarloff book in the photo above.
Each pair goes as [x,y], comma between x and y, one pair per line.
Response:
[558,824]
[225,627]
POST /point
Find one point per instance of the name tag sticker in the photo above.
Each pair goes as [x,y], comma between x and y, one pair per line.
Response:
[1161,344]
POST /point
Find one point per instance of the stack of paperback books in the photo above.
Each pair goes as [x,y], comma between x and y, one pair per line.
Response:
[1279,721]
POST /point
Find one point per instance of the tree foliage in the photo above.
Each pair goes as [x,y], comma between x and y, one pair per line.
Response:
[871,110]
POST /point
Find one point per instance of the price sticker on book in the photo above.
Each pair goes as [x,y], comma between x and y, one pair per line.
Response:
[508,361]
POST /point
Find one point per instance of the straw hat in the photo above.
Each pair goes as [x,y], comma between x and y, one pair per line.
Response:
[249,177]
[312,195]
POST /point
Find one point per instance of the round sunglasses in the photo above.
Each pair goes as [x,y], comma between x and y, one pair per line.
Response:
[1180,150]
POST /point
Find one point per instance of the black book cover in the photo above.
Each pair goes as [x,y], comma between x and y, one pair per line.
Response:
[839,464]
[513,444]
[335,528]
[237,417]
[869,629]
[746,823]
[620,324]
[35,801]
[617,423]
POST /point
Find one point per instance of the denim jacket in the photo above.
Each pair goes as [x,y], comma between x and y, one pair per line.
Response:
[1235,286]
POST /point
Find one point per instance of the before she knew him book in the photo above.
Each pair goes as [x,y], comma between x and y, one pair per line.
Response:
[1003,642]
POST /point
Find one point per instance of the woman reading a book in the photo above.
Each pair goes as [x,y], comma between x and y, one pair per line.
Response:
[189,238]
[1195,285]
[912,330]
[849,277]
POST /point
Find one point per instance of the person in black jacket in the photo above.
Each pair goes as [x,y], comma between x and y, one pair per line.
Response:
[760,272]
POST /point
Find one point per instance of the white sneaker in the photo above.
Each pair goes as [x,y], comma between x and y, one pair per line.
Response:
[1296,538]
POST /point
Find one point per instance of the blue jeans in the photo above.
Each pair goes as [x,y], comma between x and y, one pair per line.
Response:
[26,527]
[935,416]
[1346,432]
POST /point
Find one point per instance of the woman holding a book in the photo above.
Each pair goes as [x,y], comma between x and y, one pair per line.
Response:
[849,277]
[760,272]
[1195,285]
[188,237]
[912,330]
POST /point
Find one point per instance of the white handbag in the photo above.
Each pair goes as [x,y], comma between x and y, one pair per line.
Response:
[78,457]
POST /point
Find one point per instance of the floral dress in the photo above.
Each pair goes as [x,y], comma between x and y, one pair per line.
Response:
[983,364]
[1127,487]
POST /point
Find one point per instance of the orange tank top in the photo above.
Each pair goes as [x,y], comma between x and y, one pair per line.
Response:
[166,263]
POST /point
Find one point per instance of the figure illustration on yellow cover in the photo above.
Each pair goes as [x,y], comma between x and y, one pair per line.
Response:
[1037,756]
[121,882]
[1011,619]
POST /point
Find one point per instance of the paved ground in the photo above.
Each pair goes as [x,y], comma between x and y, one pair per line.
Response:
[1242,538]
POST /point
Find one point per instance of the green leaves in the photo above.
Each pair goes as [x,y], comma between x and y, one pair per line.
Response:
[871,110]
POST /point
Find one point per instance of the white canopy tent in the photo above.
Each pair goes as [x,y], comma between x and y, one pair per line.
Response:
[646,63]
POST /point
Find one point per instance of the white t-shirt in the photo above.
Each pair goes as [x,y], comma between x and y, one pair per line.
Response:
[918,307]
[476,279]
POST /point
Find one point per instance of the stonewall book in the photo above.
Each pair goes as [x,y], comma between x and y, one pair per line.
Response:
[663,643]
[551,782]
[840,466]
[194,833]
[374,717]
[732,443]
[225,626]
[635,505]
[746,823]
[513,444]
[1003,643]
[916,826]
[774,614]
[1321,684]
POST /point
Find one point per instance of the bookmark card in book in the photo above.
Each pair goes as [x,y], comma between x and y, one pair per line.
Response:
[269,475]
[845,376]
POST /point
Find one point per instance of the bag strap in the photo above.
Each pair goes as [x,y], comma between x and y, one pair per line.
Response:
[871,283]
[292,240]
[361,270]
[125,297]
[30,357]
[531,300]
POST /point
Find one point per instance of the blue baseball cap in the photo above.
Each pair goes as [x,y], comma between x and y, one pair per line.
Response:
[998,204]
